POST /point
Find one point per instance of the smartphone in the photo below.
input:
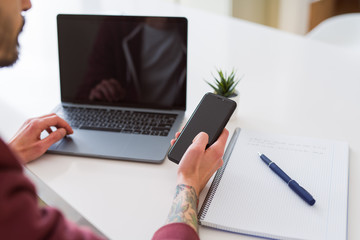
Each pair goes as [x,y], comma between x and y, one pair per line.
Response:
[210,116]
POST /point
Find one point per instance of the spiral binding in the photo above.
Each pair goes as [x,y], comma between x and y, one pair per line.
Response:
[214,185]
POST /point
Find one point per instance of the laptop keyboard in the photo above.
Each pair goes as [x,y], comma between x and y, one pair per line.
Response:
[132,122]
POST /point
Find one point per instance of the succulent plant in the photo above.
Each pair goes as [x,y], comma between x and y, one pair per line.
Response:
[224,85]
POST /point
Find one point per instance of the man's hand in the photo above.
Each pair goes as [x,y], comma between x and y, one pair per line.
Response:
[109,90]
[195,169]
[199,164]
[27,143]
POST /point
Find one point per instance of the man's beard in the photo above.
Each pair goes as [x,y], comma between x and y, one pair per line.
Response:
[11,46]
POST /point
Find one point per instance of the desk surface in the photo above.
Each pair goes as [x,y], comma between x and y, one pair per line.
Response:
[291,85]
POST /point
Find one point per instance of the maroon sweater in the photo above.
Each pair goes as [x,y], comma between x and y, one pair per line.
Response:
[21,218]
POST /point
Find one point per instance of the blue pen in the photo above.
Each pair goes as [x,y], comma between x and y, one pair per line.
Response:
[305,195]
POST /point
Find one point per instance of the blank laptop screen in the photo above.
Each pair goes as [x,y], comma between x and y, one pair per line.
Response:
[123,60]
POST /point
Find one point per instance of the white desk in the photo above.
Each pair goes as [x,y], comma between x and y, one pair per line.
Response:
[292,85]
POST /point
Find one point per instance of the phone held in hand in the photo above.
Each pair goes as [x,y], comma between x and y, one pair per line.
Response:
[210,116]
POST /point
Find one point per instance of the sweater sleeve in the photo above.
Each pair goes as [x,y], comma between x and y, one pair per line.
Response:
[20,216]
[176,231]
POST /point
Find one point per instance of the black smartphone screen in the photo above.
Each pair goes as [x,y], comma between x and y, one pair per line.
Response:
[210,116]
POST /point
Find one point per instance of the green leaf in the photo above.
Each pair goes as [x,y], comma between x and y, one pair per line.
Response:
[224,84]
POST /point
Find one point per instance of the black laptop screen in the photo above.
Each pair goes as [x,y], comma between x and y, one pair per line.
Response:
[123,60]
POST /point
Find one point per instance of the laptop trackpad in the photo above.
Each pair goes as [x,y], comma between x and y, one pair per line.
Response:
[88,142]
[113,145]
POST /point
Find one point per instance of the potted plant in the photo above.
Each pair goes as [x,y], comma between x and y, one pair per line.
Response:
[225,85]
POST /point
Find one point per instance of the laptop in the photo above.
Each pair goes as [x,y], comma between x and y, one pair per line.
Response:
[123,85]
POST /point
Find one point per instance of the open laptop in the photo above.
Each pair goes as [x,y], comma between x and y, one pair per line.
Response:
[123,85]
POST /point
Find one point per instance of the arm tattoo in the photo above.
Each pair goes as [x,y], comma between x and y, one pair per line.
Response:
[184,207]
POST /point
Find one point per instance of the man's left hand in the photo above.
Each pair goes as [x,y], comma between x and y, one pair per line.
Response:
[27,143]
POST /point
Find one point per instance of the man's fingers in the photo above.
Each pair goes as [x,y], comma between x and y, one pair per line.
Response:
[95,95]
[110,89]
[219,146]
[202,139]
[221,140]
[104,91]
[53,138]
[177,134]
[47,115]
[54,121]
[49,130]
[116,85]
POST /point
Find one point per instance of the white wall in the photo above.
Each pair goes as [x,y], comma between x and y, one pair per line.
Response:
[287,15]
[259,11]
[223,7]
[294,16]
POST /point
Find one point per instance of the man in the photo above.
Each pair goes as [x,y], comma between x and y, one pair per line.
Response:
[20,217]
[126,63]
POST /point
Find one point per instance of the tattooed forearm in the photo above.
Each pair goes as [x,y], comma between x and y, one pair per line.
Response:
[184,207]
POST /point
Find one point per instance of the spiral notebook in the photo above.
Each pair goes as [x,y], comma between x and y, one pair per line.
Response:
[247,197]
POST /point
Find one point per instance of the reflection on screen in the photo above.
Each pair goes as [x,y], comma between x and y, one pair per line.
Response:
[123,60]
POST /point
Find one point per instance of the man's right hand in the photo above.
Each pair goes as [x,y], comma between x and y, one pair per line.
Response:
[27,143]
[109,90]
[198,163]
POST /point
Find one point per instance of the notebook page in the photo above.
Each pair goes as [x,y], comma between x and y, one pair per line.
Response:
[252,199]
